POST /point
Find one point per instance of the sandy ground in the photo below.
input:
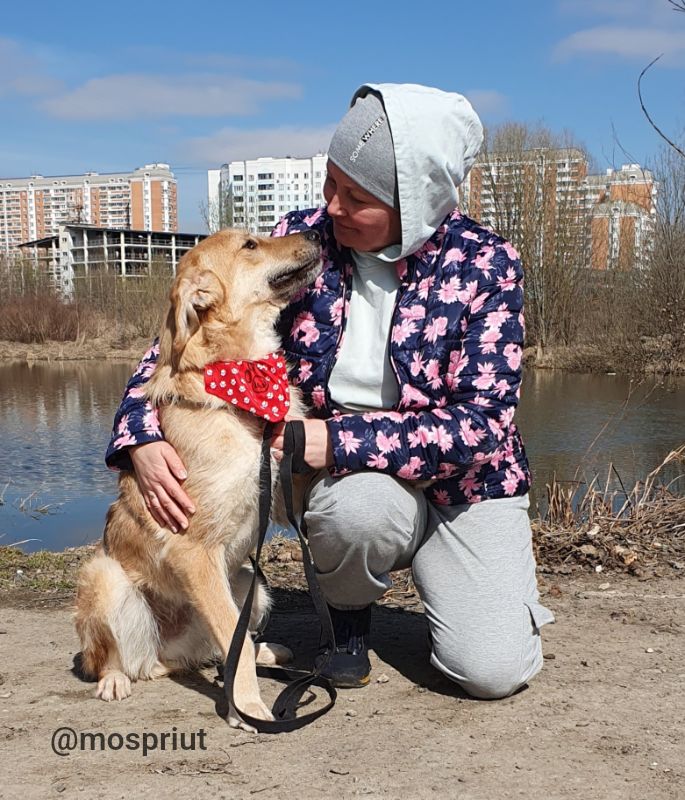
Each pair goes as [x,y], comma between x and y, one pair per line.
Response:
[604,719]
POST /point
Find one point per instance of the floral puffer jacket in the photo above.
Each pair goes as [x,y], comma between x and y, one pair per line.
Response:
[455,347]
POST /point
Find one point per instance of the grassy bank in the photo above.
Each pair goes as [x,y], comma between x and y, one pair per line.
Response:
[582,359]
[641,533]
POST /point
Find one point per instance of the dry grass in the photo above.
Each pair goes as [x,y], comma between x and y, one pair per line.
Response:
[596,527]
[104,305]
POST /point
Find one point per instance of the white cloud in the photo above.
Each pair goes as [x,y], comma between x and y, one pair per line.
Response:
[135,96]
[231,144]
[625,42]
[487,102]
[22,73]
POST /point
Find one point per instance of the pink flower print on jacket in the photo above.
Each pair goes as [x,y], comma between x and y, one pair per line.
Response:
[468,293]
[454,256]
[442,497]
[495,319]
[449,291]
[319,397]
[386,444]
[305,324]
[122,426]
[420,437]
[349,442]
[483,260]
[336,312]
[151,421]
[510,483]
[512,352]
[486,377]
[469,435]
[304,371]
[310,219]
[469,484]
[425,286]
[319,284]
[401,332]
[411,470]
[510,250]
[281,228]
[413,312]
[413,397]
[377,461]
[435,329]
[416,364]
[488,340]
[432,372]
[442,438]
[507,282]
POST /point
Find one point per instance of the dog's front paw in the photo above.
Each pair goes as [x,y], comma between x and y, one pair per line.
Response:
[113,686]
[267,654]
[256,709]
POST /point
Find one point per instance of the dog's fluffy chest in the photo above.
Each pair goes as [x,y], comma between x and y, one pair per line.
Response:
[221,453]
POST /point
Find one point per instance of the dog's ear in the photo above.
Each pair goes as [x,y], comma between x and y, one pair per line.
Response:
[193,293]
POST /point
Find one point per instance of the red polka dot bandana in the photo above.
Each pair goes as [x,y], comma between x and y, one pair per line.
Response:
[259,387]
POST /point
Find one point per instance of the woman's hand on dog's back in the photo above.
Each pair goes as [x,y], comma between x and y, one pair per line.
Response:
[160,473]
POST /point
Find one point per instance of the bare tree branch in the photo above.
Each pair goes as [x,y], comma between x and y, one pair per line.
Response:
[639,93]
[678,5]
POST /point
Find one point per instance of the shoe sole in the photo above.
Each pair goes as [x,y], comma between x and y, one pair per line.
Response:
[360,683]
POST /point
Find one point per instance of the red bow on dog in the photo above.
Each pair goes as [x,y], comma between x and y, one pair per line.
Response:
[260,387]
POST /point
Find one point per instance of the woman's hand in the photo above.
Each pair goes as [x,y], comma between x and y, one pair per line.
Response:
[318,451]
[160,472]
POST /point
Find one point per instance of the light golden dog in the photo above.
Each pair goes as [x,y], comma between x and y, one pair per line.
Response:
[152,601]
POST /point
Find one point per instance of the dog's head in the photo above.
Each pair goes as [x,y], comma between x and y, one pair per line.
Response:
[228,293]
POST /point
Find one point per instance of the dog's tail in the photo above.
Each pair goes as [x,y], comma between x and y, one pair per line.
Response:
[114,621]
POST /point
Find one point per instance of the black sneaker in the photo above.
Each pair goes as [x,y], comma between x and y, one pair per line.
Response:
[349,666]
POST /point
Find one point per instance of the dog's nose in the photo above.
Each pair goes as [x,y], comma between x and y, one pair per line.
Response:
[312,236]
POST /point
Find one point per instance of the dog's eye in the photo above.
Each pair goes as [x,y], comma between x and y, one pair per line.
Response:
[250,244]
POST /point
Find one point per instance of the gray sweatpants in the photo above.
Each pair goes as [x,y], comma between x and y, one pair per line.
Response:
[473,566]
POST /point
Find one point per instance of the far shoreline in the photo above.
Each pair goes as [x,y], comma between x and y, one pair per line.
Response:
[581,359]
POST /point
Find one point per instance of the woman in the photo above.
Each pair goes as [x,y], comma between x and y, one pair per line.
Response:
[407,347]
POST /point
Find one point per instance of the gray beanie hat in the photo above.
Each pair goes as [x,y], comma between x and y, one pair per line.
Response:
[362,148]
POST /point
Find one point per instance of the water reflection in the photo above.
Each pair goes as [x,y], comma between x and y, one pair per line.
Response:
[577,425]
[55,422]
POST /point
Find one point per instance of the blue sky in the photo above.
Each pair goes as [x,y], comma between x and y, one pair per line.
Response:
[90,86]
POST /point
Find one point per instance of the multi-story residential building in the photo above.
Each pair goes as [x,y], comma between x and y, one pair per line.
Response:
[622,208]
[547,193]
[33,208]
[255,194]
[503,183]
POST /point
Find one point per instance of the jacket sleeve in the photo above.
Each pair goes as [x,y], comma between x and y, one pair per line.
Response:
[470,425]
[135,421]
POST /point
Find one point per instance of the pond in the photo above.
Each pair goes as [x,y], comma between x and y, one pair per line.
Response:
[55,420]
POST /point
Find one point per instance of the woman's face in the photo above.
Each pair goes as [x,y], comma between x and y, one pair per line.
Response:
[360,220]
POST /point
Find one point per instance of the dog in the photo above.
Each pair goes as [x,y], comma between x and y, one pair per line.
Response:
[150,601]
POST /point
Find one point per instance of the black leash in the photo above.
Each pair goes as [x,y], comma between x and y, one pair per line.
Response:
[286,704]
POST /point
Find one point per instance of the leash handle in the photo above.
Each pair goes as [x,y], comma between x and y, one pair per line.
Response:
[286,703]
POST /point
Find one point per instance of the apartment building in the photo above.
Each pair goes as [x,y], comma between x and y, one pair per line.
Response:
[610,216]
[622,209]
[503,181]
[255,194]
[33,208]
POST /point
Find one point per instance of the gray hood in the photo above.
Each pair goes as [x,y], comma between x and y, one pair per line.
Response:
[436,138]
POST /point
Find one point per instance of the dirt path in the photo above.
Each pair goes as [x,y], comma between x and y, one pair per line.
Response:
[604,720]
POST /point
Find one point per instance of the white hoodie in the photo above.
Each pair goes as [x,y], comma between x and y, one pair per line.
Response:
[436,137]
